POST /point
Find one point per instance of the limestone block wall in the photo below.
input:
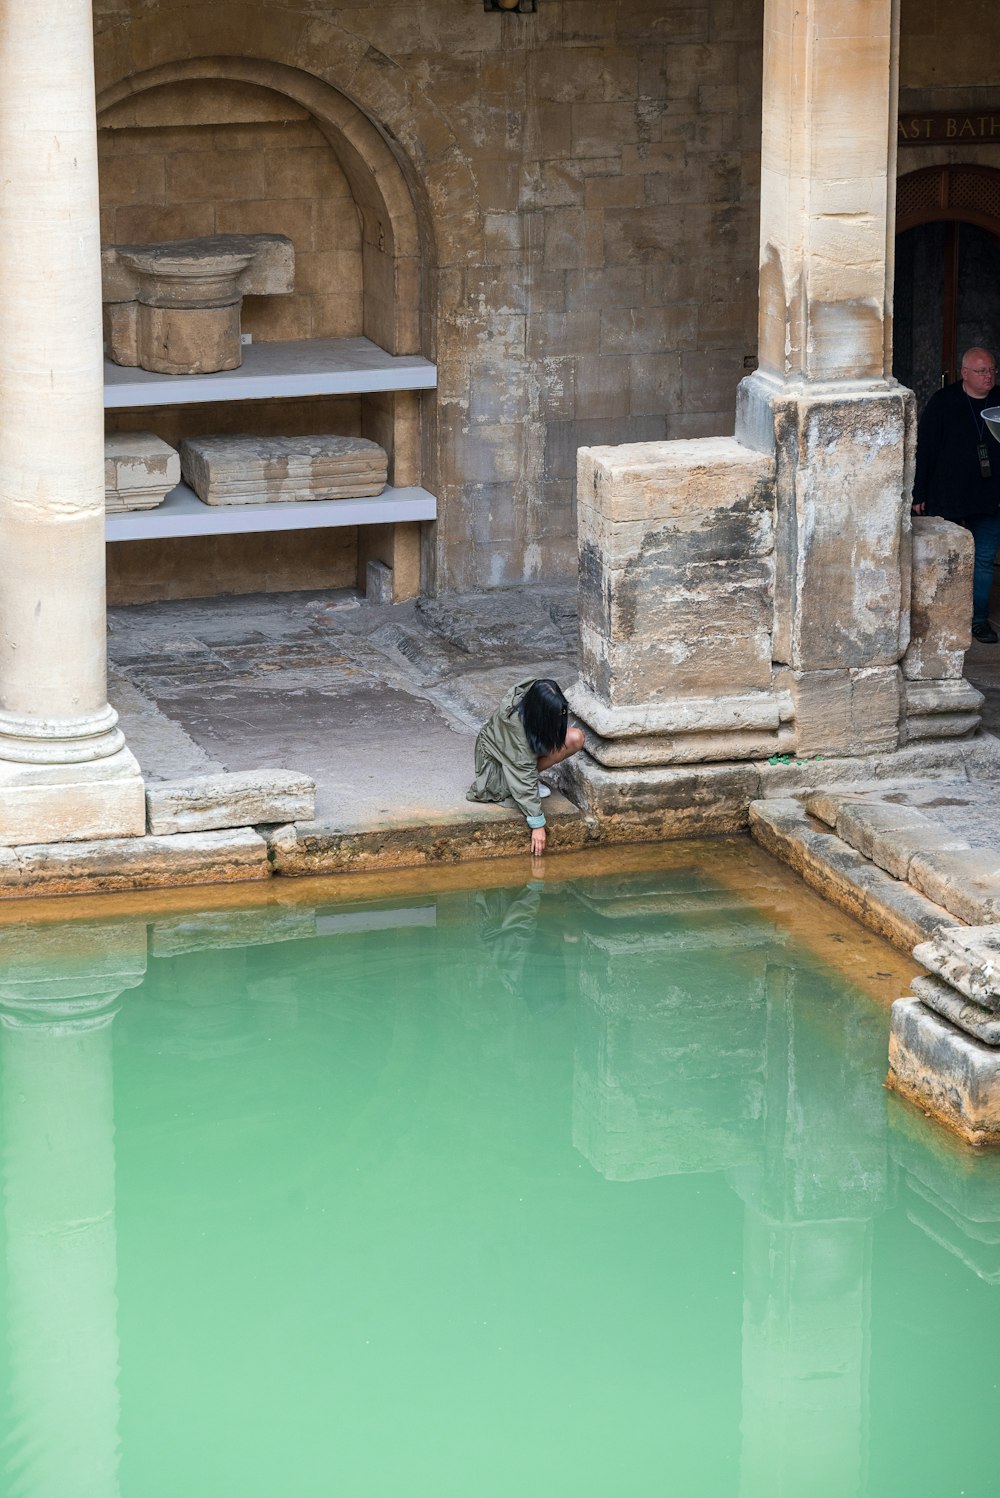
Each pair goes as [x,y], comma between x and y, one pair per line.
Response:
[583,184]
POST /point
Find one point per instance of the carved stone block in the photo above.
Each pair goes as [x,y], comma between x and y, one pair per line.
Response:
[174,308]
[139,470]
[261,470]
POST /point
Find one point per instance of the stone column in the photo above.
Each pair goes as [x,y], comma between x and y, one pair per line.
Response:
[64,768]
[823,401]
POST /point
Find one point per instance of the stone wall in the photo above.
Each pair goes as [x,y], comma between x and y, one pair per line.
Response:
[584,186]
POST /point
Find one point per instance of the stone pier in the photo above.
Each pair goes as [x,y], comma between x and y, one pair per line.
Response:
[65,772]
[747,597]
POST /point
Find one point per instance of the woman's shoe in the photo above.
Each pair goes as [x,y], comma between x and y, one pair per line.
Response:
[983,631]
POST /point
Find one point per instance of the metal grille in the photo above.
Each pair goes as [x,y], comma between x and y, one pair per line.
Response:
[975,189]
[949,191]
[918,192]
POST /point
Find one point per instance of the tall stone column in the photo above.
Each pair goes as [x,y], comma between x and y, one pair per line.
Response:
[823,401]
[64,768]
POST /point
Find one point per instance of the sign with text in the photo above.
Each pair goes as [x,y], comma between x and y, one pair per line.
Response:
[938,127]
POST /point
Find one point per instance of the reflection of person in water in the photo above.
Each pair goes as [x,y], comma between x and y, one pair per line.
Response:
[527,733]
[529,955]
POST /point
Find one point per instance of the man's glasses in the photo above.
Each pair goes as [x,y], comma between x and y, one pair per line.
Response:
[990,370]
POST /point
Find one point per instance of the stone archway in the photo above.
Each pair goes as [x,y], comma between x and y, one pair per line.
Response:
[947,280]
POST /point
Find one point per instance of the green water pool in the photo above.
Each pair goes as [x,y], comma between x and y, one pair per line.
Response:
[578,1186]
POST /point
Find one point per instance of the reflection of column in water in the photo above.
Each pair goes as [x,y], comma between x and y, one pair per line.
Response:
[807,1248]
[668,1074]
[56,1114]
[949,1191]
[805,1357]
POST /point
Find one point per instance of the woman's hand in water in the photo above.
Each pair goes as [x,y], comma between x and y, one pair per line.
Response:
[537,841]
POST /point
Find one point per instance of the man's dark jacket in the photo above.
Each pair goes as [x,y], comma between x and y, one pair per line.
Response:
[948,480]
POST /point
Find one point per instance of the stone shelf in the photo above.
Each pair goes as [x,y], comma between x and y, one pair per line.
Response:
[310,366]
[183,514]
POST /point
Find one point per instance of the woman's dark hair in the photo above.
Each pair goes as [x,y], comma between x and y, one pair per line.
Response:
[544,712]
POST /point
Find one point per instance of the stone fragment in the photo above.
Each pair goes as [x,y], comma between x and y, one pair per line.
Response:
[174,307]
[139,471]
[378,583]
[944,1071]
[142,862]
[951,1005]
[242,798]
[245,470]
[940,600]
[967,958]
[966,883]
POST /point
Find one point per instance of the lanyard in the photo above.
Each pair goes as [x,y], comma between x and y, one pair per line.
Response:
[977,419]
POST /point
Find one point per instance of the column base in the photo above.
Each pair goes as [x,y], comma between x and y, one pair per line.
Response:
[70,803]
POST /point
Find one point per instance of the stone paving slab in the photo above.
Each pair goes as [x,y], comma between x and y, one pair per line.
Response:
[966,883]
[209,802]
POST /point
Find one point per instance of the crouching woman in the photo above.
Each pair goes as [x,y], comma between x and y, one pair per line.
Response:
[527,733]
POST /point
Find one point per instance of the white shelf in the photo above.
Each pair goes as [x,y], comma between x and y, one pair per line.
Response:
[183,514]
[310,366]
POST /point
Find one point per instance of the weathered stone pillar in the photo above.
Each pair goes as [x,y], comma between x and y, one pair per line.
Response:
[823,402]
[64,768]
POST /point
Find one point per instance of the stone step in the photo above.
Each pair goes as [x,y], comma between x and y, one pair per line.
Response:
[839,872]
[321,847]
[127,863]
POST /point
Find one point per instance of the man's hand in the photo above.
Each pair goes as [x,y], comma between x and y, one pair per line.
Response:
[916,509]
[537,841]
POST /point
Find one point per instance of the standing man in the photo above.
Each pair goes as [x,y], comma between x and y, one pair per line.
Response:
[958,471]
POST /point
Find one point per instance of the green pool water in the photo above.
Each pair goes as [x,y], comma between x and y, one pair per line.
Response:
[583,1187]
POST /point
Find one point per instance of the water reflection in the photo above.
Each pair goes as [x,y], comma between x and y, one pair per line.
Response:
[58,1000]
[687,1038]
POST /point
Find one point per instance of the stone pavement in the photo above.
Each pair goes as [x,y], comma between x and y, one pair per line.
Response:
[379,704]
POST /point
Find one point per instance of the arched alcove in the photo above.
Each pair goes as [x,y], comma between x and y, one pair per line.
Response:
[226,144]
[211,97]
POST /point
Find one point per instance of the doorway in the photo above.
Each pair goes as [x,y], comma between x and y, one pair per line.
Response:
[946,295]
